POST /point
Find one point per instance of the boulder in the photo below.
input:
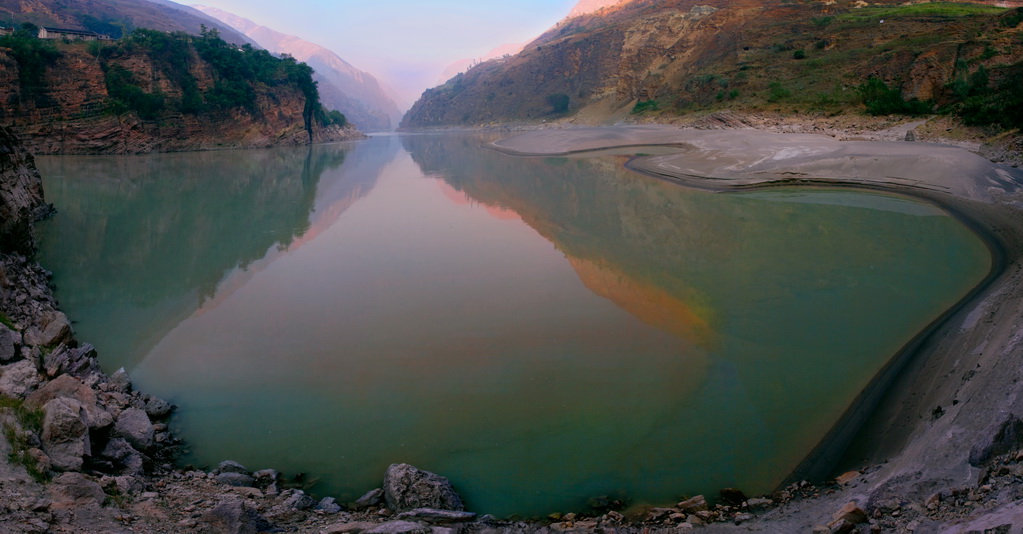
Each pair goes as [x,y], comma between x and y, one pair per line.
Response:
[233,517]
[75,490]
[231,466]
[80,362]
[158,408]
[57,329]
[69,386]
[371,498]
[134,426]
[8,340]
[65,436]
[328,505]
[408,488]
[694,504]
[18,379]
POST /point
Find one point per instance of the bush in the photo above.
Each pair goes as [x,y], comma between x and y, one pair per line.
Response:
[558,102]
[882,100]
[799,54]
[33,56]
[776,92]
[980,104]
[644,106]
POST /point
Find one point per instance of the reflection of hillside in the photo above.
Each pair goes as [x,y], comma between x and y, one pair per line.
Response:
[150,238]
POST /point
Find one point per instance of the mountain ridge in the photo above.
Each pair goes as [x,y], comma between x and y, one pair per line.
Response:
[356,93]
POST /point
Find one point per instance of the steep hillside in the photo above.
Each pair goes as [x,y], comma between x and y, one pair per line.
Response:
[355,93]
[157,91]
[678,56]
[114,17]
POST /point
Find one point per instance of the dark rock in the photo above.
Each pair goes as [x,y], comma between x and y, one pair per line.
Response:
[910,136]
[371,498]
[18,379]
[8,340]
[240,480]
[233,517]
[21,195]
[1007,437]
[291,503]
[134,426]
[266,476]
[407,488]
[79,362]
[328,505]
[732,497]
[231,466]
[432,515]
[694,504]
[120,381]
[65,436]
[123,457]
[158,408]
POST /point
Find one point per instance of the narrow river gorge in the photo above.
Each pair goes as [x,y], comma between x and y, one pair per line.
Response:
[539,330]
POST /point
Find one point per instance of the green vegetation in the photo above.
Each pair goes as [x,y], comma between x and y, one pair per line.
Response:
[6,321]
[934,10]
[644,106]
[33,56]
[982,102]
[882,100]
[558,102]
[799,54]
[1012,18]
[776,92]
[239,73]
[30,420]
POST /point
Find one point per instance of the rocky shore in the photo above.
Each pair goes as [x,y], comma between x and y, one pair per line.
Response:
[939,450]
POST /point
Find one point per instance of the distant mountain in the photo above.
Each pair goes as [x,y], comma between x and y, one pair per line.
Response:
[675,57]
[357,94]
[114,17]
[464,64]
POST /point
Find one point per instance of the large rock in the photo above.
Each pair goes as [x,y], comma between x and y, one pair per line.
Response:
[408,488]
[75,490]
[18,379]
[8,339]
[69,386]
[65,436]
[57,329]
[233,517]
[134,426]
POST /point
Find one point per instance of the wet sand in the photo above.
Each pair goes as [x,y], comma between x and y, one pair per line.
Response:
[930,418]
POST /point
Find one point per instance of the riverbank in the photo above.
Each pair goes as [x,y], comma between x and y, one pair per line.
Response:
[163,498]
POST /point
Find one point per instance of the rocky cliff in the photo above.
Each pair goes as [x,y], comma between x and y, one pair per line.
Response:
[124,99]
[674,57]
[357,94]
[21,195]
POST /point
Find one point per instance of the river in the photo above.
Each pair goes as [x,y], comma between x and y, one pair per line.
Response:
[539,330]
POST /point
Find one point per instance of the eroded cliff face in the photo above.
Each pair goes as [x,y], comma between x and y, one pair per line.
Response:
[71,116]
[21,195]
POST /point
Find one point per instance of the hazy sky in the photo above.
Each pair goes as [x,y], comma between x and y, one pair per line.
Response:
[405,43]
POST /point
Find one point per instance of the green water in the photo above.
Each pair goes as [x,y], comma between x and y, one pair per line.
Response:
[539,330]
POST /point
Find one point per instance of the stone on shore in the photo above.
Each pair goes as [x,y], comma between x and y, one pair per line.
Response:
[433,515]
[233,517]
[18,379]
[694,504]
[65,436]
[400,527]
[370,498]
[71,387]
[75,490]
[8,338]
[407,488]
[134,426]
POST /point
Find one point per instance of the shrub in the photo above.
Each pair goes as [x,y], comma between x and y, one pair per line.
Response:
[558,102]
[799,54]
[776,92]
[644,106]
[882,100]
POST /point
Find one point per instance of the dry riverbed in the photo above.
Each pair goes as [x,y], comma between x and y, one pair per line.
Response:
[934,447]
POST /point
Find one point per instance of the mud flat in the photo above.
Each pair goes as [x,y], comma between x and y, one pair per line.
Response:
[930,425]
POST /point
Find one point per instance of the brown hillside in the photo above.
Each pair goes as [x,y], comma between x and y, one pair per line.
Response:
[678,56]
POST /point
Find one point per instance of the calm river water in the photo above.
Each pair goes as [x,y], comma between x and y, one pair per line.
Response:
[539,330]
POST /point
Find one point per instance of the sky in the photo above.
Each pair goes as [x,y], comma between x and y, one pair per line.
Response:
[404,43]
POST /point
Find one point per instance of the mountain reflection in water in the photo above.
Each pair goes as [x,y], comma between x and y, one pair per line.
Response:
[540,330]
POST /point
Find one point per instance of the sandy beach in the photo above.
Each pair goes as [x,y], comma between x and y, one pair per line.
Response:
[951,399]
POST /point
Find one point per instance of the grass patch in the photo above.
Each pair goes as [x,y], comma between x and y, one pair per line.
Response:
[937,10]
[644,106]
[30,420]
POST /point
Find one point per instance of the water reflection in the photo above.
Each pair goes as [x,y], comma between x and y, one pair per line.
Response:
[142,242]
[539,330]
